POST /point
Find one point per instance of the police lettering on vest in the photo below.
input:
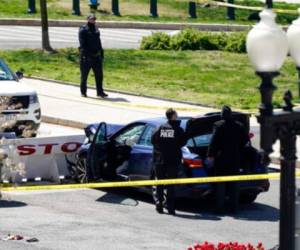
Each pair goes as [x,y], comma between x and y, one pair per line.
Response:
[167,133]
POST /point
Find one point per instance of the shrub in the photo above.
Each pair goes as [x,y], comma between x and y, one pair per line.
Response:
[191,39]
[213,41]
[157,41]
[188,39]
[236,42]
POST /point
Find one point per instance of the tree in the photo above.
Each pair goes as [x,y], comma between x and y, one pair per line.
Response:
[45,27]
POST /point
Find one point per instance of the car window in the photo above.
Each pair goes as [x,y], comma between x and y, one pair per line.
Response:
[5,73]
[146,137]
[101,135]
[200,141]
[131,135]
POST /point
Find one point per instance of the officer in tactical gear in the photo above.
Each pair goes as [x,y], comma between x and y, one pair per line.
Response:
[167,141]
[91,56]
[225,151]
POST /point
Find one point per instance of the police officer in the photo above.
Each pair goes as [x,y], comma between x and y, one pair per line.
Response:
[225,151]
[167,141]
[91,56]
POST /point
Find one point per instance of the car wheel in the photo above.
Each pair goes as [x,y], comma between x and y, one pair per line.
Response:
[81,170]
[248,198]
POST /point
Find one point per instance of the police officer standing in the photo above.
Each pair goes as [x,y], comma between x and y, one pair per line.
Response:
[91,56]
[167,141]
[225,151]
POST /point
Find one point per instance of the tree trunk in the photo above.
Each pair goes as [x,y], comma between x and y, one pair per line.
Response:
[44,22]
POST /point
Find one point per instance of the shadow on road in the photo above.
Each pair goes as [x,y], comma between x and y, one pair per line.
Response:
[193,209]
[118,199]
[111,99]
[258,212]
[11,204]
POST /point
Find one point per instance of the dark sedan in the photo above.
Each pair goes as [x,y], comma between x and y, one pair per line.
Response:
[117,152]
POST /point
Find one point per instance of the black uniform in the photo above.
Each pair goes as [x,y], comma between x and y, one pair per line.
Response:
[167,140]
[91,56]
[227,145]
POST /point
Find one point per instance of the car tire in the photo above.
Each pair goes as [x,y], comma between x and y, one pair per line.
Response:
[248,198]
[81,170]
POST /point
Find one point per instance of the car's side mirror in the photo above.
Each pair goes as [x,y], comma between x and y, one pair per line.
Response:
[91,137]
[90,132]
[19,74]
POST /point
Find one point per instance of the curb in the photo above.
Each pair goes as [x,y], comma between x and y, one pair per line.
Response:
[63,122]
[128,25]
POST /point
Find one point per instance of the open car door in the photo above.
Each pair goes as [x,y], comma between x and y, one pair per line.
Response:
[98,151]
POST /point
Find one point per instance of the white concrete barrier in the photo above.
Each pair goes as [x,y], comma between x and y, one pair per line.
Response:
[39,157]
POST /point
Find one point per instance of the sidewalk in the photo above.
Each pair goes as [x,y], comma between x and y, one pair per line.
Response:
[64,103]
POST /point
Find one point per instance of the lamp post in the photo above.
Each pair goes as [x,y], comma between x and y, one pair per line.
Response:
[293,35]
[267,47]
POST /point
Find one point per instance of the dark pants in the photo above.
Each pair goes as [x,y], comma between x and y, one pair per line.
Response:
[232,190]
[86,64]
[166,172]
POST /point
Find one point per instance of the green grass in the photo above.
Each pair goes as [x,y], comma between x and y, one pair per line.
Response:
[138,10]
[206,77]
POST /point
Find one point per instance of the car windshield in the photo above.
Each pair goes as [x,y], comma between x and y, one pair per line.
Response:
[5,72]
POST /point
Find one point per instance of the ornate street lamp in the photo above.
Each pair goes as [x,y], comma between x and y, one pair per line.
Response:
[267,47]
[293,35]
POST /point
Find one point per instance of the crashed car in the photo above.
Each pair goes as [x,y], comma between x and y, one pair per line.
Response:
[20,109]
[123,153]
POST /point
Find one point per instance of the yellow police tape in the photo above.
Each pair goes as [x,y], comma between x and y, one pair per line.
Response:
[147,182]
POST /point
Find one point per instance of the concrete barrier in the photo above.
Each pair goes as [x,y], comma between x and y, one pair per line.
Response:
[41,158]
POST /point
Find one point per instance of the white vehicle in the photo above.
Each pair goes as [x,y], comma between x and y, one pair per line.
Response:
[19,105]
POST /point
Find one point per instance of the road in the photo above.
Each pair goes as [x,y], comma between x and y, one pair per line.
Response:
[14,37]
[93,219]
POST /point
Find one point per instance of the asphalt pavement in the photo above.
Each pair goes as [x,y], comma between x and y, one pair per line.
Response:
[15,37]
[93,219]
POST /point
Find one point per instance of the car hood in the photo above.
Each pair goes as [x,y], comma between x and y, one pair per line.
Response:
[14,88]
